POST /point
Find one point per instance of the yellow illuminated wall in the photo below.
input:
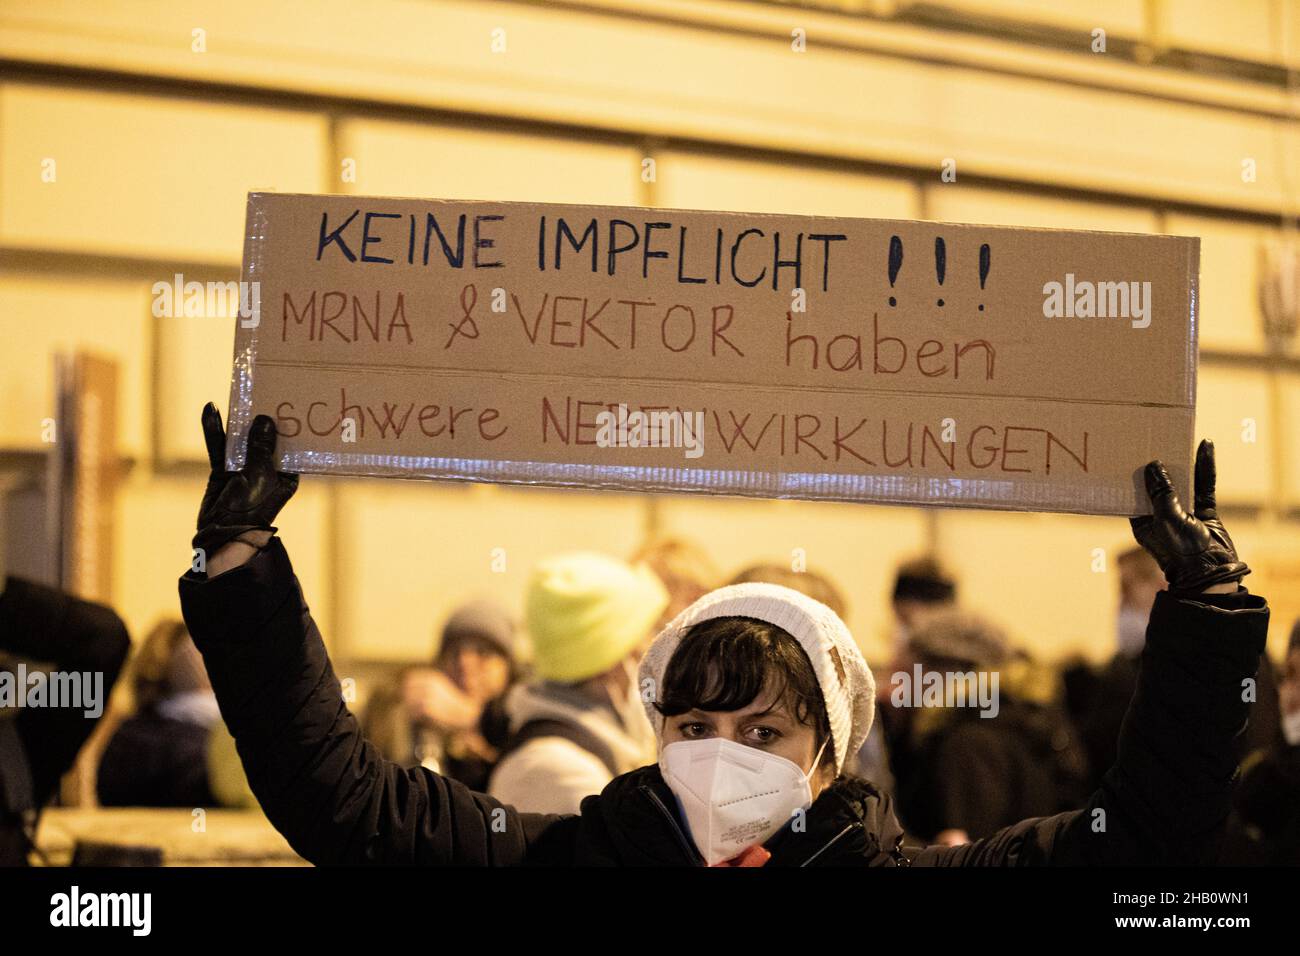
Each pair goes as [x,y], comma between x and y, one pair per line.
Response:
[157,117]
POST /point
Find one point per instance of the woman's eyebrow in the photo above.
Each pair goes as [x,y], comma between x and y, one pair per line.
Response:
[776,712]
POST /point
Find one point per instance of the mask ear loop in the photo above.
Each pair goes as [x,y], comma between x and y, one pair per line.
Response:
[816,760]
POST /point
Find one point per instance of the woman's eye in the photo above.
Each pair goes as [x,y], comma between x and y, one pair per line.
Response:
[763,735]
[695,729]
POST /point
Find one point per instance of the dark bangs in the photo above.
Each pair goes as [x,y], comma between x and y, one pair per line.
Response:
[729,662]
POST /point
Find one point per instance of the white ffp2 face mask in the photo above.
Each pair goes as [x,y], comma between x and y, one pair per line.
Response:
[1131,631]
[1291,728]
[733,796]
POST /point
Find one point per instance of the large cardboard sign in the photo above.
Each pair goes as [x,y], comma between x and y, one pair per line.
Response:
[670,350]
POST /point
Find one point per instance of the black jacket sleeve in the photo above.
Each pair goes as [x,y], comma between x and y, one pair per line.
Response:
[44,625]
[1167,798]
[323,786]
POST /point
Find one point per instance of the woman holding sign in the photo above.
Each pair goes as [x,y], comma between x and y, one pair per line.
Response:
[758,694]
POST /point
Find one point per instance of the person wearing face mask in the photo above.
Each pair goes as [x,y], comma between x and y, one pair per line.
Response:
[757,695]
[1140,581]
[1098,699]
[579,724]
[872,759]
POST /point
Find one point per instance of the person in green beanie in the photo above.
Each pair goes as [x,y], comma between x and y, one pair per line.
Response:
[581,722]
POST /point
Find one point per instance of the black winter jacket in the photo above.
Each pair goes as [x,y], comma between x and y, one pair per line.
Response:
[336,800]
[979,774]
[155,761]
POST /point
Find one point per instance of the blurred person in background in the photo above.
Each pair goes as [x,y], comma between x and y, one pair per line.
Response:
[685,569]
[921,588]
[756,695]
[157,757]
[581,722]
[816,586]
[1096,699]
[47,630]
[1265,825]
[965,772]
[450,717]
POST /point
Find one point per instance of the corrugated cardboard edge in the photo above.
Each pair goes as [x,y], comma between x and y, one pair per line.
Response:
[878,489]
[239,410]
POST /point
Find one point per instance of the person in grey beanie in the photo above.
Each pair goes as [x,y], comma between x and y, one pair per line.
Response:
[448,717]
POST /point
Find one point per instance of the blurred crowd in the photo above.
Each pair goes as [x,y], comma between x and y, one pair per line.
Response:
[544,711]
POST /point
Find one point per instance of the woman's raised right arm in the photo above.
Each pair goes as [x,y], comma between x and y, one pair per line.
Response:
[319,781]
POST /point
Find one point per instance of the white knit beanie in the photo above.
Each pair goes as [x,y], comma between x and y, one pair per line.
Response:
[846,683]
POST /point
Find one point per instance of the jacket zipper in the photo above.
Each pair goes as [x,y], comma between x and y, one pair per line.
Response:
[691,853]
[833,840]
[694,855]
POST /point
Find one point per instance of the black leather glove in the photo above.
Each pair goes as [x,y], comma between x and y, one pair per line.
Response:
[236,502]
[1193,550]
